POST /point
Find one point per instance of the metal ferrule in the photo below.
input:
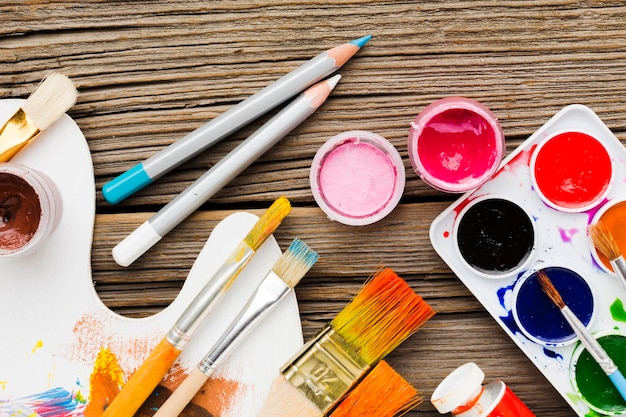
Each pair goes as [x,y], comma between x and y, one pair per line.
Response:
[325,369]
[592,345]
[619,266]
[16,133]
[207,298]
[271,290]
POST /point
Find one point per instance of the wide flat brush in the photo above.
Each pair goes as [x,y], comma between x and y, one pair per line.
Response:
[383,313]
[586,338]
[160,360]
[286,273]
[49,101]
[382,393]
[603,241]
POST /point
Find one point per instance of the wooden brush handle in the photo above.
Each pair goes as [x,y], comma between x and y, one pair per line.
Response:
[143,381]
[176,402]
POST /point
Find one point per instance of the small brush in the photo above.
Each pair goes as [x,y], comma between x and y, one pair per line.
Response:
[160,360]
[382,393]
[603,241]
[290,268]
[383,313]
[49,101]
[592,345]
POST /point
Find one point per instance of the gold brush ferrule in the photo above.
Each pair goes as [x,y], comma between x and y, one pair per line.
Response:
[16,133]
[325,369]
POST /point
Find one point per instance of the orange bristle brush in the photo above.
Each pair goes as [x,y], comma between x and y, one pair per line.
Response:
[384,313]
[603,240]
[162,357]
[382,393]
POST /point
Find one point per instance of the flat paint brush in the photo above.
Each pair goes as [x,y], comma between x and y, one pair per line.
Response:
[49,101]
[603,241]
[290,268]
[160,360]
[382,393]
[586,338]
[220,174]
[382,314]
[279,91]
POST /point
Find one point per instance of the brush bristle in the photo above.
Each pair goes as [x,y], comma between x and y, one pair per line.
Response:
[550,289]
[382,393]
[285,400]
[268,223]
[384,313]
[54,96]
[603,241]
[293,265]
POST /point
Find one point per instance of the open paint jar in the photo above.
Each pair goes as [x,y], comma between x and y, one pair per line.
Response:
[30,207]
[591,383]
[537,316]
[613,218]
[455,144]
[357,177]
[571,171]
[494,236]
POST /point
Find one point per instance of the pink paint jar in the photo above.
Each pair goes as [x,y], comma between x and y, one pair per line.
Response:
[357,177]
[455,144]
[463,394]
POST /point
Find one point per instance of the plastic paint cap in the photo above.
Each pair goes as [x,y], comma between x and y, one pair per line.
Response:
[458,388]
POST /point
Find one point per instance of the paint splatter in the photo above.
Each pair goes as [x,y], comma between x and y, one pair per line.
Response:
[37,346]
[567,235]
[105,383]
[617,310]
[218,395]
[56,402]
[552,354]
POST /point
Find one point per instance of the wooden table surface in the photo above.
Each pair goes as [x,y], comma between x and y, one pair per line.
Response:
[150,72]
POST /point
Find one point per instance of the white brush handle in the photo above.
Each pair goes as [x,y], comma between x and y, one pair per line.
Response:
[176,402]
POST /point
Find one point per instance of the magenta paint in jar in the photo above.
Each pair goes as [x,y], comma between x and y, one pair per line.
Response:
[463,394]
[455,144]
[357,177]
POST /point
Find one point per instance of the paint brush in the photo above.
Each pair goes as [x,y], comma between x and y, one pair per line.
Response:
[382,393]
[226,123]
[153,229]
[286,273]
[603,241]
[595,350]
[49,101]
[160,360]
[382,314]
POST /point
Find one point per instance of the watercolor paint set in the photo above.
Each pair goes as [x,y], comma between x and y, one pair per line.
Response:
[532,215]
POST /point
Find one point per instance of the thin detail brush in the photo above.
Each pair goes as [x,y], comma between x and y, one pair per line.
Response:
[160,360]
[382,393]
[53,97]
[384,313]
[290,268]
[603,241]
[586,338]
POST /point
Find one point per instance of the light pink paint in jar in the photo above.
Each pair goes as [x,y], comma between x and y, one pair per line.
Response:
[357,177]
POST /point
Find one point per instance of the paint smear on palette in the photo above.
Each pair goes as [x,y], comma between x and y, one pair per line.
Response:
[217,398]
[56,402]
[617,311]
[105,383]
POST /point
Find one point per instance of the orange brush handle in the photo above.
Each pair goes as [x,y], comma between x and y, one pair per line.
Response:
[143,381]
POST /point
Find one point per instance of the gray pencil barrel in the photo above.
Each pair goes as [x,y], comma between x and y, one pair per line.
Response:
[249,109]
[230,166]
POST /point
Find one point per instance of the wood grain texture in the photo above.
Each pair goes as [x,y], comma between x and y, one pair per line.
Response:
[150,72]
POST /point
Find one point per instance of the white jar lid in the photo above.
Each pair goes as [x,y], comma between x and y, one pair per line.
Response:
[459,387]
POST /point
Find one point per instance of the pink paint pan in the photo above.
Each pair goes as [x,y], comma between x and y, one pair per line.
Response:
[357,177]
[455,144]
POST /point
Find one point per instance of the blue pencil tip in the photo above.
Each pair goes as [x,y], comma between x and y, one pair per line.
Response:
[361,41]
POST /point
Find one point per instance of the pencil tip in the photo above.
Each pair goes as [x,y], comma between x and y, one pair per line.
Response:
[361,41]
[332,81]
